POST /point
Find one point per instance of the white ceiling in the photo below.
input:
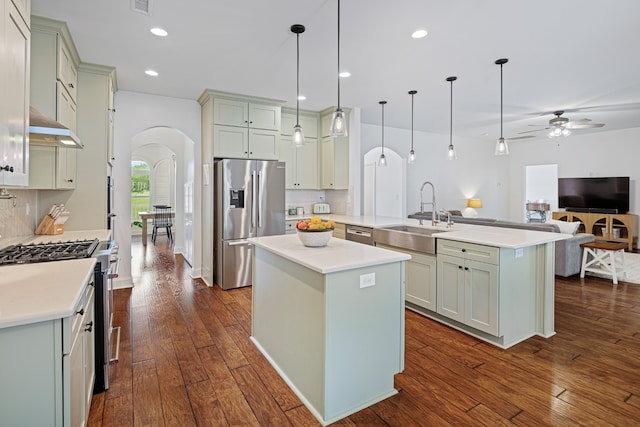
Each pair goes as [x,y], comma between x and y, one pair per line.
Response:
[575,55]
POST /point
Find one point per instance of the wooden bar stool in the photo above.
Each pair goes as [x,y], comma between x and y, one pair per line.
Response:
[603,259]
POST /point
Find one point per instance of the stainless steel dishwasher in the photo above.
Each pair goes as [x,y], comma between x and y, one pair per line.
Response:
[360,234]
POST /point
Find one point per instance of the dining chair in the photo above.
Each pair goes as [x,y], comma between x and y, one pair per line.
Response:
[162,219]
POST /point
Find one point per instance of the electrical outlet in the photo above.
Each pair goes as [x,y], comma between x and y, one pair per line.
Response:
[519,252]
[367,280]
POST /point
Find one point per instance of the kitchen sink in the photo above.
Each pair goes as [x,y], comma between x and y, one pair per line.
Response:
[417,239]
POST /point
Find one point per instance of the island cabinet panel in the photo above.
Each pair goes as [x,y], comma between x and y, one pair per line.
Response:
[496,294]
[420,277]
[336,343]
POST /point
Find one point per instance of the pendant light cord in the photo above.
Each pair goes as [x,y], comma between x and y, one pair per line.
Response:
[298,79]
[451,116]
[500,100]
[338,54]
[412,121]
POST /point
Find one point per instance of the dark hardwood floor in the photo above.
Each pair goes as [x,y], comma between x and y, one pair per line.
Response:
[186,360]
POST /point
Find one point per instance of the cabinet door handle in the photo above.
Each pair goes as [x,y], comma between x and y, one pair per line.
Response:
[70,85]
[69,180]
[466,268]
[7,168]
[89,327]
[464,250]
[81,312]
[460,267]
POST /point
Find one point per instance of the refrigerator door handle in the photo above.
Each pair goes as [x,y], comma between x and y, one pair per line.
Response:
[239,242]
[254,191]
[259,200]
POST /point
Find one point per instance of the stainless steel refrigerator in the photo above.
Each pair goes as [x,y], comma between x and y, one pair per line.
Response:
[248,202]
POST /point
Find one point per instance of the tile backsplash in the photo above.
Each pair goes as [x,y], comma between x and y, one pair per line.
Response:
[18,220]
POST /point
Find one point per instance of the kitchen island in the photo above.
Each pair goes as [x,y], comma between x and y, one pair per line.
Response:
[330,320]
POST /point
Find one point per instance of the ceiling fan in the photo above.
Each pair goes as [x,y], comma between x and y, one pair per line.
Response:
[562,126]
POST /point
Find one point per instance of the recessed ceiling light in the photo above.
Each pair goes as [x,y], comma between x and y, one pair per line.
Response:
[345,74]
[418,34]
[152,73]
[302,97]
[160,32]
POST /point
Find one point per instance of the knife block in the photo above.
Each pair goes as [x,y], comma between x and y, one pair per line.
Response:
[48,226]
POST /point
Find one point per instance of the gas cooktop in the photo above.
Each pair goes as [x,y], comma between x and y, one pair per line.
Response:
[43,252]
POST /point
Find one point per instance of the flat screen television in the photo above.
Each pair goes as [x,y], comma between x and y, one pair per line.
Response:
[594,194]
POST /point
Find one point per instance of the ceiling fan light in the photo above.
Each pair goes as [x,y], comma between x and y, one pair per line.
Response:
[566,132]
[502,149]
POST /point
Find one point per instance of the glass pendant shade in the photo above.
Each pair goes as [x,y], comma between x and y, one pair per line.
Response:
[451,153]
[412,157]
[502,149]
[338,124]
[382,161]
[297,137]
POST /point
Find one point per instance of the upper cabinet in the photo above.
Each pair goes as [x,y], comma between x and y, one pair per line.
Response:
[235,126]
[334,155]
[301,172]
[54,92]
[14,87]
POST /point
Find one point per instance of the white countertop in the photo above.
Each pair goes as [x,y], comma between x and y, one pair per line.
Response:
[42,291]
[338,255]
[362,220]
[500,237]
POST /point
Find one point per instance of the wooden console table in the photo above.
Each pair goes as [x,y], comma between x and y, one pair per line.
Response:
[145,216]
[619,228]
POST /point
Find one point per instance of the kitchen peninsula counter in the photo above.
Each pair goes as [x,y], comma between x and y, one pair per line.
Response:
[31,293]
[330,320]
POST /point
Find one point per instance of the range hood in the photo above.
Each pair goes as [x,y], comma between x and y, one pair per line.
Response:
[46,131]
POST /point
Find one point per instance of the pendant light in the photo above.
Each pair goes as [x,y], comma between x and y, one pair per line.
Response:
[297,135]
[412,154]
[383,160]
[338,122]
[451,151]
[502,149]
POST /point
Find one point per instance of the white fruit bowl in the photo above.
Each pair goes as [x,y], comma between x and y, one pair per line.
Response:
[315,239]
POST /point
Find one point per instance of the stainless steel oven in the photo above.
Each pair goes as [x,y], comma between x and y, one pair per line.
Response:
[105,270]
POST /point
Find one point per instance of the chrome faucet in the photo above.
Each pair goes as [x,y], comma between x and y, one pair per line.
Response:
[449,221]
[434,220]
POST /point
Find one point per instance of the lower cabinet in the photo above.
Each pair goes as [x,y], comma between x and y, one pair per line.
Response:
[50,366]
[468,292]
[339,230]
[420,278]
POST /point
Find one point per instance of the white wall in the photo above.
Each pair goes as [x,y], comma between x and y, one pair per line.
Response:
[477,172]
[135,113]
[601,153]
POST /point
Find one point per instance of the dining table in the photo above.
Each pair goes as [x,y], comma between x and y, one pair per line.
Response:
[146,216]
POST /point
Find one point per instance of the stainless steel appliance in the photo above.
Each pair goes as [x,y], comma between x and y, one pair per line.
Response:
[248,202]
[104,272]
[360,234]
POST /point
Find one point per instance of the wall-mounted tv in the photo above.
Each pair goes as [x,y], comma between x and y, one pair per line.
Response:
[594,194]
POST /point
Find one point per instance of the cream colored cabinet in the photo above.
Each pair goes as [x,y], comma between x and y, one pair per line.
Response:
[54,84]
[301,172]
[245,129]
[15,57]
[619,228]
[467,284]
[334,155]
[302,162]
[50,366]
[340,230]
[420,278]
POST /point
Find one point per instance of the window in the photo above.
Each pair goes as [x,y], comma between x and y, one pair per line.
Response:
[140,194]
